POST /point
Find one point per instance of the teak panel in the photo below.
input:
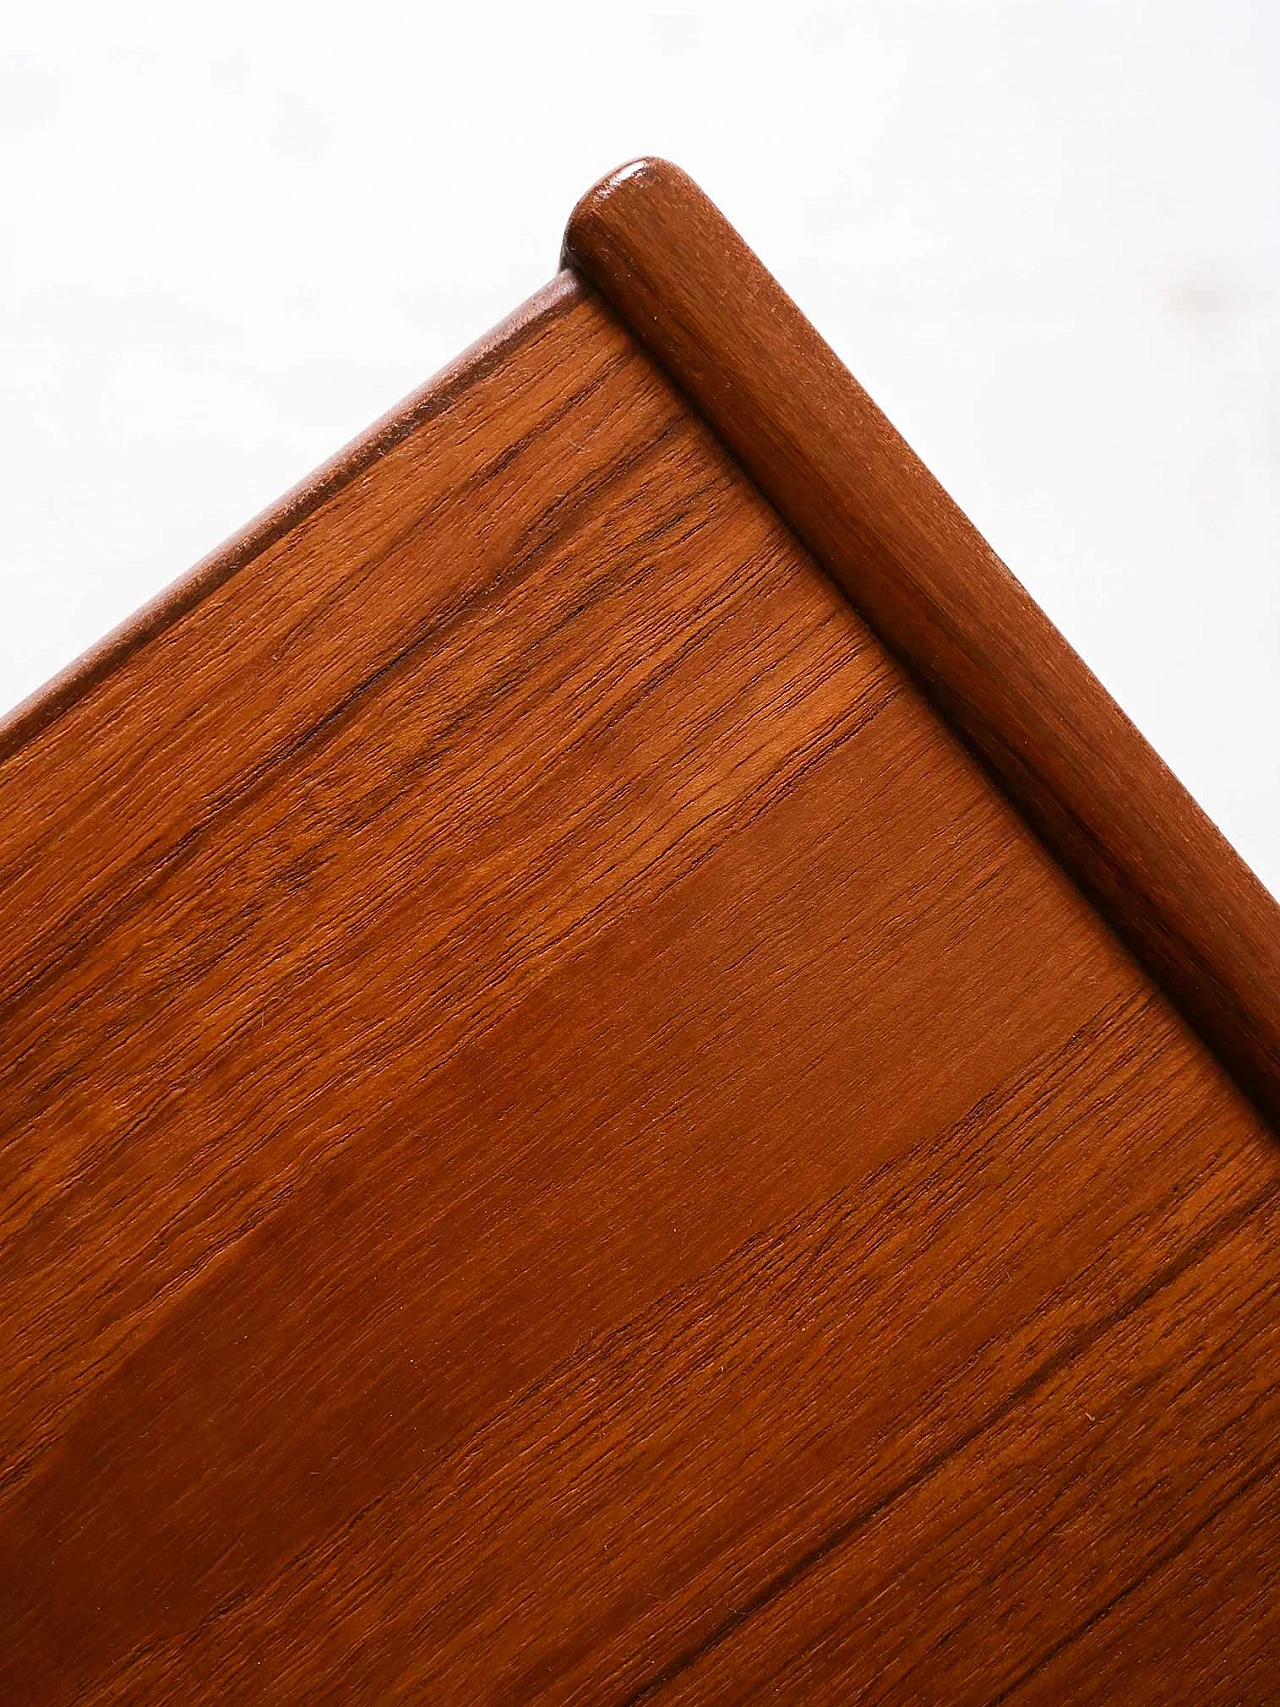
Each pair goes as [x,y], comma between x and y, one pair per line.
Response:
[563,1143]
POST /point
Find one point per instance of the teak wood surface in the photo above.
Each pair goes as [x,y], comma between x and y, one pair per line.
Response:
[564,1142]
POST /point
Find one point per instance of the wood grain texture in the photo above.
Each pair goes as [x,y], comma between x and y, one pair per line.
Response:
[818,447]
[27,719]
[562,1143]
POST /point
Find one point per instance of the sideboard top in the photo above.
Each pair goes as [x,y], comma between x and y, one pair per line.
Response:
[561,1139]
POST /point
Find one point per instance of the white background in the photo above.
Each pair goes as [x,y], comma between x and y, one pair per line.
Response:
[1044,234]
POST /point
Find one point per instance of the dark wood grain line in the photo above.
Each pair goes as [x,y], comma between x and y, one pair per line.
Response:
[1150,1570]
[1083,1341]
[35,714]
[972,1621]
[815,444]
[474,484]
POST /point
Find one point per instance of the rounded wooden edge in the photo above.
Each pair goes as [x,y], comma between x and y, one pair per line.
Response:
[645,169]
[36,713]
[1112,814]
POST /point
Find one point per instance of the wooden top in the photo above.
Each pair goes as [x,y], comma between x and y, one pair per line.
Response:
[563,1143]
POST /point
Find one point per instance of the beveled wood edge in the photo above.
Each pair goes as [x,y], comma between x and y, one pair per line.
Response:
[36,713]
[1110,811]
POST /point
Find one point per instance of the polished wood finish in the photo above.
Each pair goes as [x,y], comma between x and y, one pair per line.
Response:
[563,1143]
[932,588]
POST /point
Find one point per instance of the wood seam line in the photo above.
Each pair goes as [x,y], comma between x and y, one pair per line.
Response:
[1082,1342]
